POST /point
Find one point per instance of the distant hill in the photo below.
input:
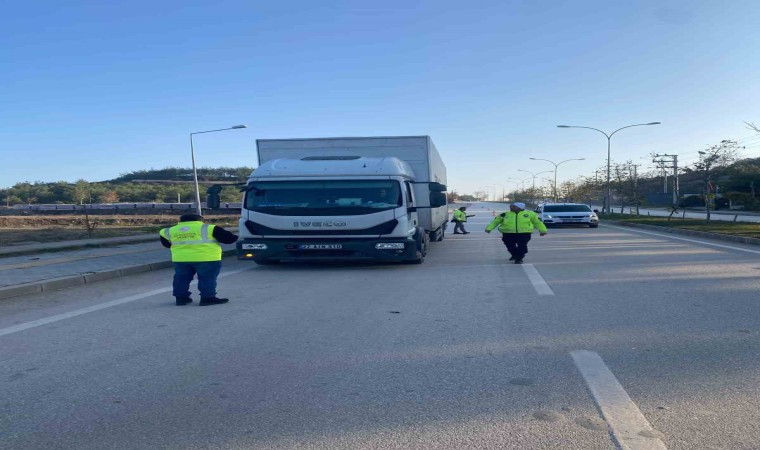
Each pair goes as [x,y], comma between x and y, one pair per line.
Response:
[186,174]
[129,187]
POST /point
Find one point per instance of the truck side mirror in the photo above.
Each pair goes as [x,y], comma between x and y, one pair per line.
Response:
[437,187]
[438,199]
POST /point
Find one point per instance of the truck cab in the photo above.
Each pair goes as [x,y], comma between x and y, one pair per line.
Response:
[335,208]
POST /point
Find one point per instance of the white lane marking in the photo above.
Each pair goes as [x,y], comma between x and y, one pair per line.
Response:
[538,282]
[628,426]
[685,239]
[98,307]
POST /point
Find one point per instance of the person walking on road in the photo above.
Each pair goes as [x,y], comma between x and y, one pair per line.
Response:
[516,227]
[460,217]
[196,250]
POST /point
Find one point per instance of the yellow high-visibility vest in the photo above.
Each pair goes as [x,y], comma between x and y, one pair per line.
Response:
[517,222]
[192,242]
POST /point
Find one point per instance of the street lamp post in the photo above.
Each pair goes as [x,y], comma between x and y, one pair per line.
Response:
[521,182]
[195,172]
[533,186]
[494,190]
[556,165]
[534,175]
[608,193]
[503,190]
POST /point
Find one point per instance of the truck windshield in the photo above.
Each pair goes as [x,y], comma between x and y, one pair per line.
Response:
[346,197]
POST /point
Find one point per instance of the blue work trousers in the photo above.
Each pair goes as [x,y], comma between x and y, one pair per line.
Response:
[207,272]
[516,243]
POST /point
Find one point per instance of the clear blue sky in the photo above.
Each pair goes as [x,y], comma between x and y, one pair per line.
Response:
[95,89]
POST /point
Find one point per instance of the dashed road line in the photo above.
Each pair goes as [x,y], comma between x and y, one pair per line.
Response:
[538,282]
[629,428]
[98,307]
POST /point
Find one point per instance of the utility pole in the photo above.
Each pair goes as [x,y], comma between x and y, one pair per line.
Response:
[663,173]
[671,162]
[596,179]
[634,172]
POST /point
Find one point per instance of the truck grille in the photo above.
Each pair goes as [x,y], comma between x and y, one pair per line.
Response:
[383,228]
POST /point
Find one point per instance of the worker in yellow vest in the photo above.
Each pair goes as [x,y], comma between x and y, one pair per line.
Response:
[459,218]
[516,227]
[196,250]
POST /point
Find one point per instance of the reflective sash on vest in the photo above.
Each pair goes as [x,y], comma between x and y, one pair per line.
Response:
[192,242]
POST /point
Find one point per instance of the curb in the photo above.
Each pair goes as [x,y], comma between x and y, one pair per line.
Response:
[52,247]
[92,277]
[702,234]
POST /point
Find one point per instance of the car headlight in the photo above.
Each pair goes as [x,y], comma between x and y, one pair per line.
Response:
[548,216]
[390,246]
[254,246]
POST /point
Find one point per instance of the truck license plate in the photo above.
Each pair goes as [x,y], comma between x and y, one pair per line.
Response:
[320,247]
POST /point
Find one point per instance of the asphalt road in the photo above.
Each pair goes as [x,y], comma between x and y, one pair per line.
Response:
[464,351]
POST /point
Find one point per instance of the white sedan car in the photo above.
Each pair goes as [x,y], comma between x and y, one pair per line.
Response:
[567,214]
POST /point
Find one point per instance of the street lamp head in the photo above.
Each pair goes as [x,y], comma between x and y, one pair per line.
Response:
[532,158]
[564,126]
[654,123]
[235,127]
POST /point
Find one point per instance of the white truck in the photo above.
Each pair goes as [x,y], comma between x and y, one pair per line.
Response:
[375,198]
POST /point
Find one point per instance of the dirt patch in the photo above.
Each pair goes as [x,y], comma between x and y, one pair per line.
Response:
[30,229]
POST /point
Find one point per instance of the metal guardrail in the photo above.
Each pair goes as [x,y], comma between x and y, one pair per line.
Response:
[118,206]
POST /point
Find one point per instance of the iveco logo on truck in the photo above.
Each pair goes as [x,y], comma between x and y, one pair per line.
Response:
[318,224]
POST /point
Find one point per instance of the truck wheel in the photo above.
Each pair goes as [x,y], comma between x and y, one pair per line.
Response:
[421,238]
[420,259]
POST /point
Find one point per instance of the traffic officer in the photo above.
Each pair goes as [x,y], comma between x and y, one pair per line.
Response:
[196,250]
[516,227]
[460,217]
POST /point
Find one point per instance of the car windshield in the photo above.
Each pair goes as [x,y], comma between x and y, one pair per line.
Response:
[323,197]
[567,208]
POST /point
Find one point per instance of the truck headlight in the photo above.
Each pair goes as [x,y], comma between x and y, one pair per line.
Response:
[254,246]
[390,246]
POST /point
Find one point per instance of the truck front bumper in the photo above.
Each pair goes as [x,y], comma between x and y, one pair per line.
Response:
[388,249]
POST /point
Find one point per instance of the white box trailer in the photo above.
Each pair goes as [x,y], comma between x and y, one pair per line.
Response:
[344,199]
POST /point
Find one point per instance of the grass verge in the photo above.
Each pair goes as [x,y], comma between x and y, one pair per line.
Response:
[30,230]
[744,229]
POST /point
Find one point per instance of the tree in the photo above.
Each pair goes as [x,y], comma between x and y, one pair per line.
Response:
[621,175]
[82,192]
[711,159]
[109,197]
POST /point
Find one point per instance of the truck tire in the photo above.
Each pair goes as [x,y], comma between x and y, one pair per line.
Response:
[422,239]
[437,236]
[420,259]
